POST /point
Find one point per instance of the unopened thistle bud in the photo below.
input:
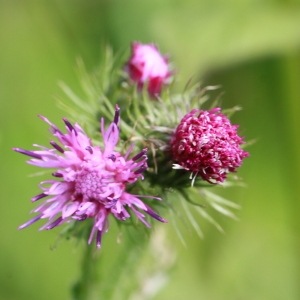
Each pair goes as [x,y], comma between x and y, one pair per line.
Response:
[147,66]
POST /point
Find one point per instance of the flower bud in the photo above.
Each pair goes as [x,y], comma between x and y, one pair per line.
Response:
[147,65]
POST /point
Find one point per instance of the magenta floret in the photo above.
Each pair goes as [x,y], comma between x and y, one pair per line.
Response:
[207,144]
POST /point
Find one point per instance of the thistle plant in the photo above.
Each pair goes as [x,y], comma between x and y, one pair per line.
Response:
[161,150]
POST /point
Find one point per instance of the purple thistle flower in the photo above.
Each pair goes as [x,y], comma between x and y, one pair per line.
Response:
[207,144]
[92,180]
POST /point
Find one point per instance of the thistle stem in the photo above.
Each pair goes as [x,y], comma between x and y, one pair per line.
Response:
[84,288]
[124,270]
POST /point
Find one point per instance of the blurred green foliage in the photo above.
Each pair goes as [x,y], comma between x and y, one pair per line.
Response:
[250,47]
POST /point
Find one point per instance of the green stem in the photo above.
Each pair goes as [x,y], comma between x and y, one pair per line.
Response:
[84,288]
[124,270]
[115,282]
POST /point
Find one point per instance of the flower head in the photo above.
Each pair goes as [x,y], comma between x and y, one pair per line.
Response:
[90,181]
[207,144]
[146,64]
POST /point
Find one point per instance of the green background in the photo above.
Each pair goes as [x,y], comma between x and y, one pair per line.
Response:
[250,47]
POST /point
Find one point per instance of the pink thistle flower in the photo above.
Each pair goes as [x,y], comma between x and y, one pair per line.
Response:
[146,64]
[207,144]
[91,182]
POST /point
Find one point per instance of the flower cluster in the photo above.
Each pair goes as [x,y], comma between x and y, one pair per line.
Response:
[208,145]
[91,181]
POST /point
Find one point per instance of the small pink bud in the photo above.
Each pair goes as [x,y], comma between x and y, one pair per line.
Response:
[147,65]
